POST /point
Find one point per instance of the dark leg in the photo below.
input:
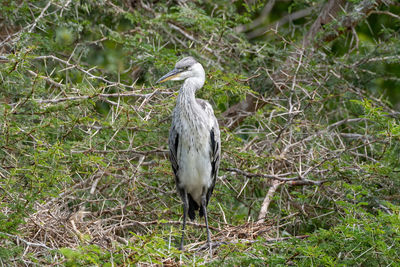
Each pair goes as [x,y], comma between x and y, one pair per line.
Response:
[185,212]
[203,205]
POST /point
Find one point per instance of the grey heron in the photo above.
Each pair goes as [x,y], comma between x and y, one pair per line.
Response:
[194,143]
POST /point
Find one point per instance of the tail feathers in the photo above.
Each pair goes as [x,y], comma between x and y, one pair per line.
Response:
[193,207]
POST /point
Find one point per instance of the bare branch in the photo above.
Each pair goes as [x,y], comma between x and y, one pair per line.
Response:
[267,201]
[29,244]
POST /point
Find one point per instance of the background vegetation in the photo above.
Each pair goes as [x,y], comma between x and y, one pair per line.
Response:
[307,94]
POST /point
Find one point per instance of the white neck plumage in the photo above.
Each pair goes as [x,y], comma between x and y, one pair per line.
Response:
[194,81]
[186,101]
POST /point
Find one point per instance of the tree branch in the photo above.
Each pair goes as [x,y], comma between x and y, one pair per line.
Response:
[26,241]
[267,201]
[294,181]
[288,18]
[327,15]
[258,21]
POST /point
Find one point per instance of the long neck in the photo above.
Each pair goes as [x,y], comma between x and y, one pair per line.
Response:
[186,97]
[187,107]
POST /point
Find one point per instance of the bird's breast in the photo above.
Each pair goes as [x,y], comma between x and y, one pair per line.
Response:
[193,125]
[194,162]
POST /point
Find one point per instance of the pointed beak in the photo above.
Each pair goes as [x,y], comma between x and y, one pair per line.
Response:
[170,75]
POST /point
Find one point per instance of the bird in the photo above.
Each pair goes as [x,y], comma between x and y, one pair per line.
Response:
[194,143]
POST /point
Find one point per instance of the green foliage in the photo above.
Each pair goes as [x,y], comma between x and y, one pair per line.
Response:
[141,249]
[361,238]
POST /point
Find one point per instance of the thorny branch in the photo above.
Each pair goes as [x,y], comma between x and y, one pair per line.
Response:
[29,244]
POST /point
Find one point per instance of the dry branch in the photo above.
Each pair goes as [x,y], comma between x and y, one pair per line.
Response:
[267,200]
[297,180]
[28,243]
[99,95]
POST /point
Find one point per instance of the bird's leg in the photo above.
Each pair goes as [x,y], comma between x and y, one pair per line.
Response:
[185,213]
[203,204]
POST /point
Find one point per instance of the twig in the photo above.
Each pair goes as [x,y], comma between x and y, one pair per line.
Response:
[188,36]
[27,242]
[329,128]
[278,177]
[87,72]
[295,181]
[145,153]
[32,27]
[83,97]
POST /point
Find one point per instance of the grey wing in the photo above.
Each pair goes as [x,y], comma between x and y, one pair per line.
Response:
[173,143]
[215,154]
[215,142]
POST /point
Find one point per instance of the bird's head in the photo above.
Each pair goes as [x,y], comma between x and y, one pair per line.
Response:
[185,68]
